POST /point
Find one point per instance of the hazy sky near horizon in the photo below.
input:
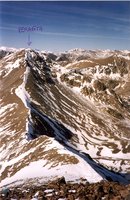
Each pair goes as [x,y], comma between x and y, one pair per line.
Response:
[66,25]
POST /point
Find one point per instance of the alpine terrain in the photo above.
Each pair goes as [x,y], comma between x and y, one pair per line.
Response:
[64,114]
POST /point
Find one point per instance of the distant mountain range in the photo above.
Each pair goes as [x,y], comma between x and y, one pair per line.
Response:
[64,114]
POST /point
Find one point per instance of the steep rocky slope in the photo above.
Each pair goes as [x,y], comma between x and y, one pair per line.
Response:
[73,109]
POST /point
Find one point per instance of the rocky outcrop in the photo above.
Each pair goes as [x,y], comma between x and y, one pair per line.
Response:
[60,189]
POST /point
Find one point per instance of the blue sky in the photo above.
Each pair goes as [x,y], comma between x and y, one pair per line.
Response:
[66,25]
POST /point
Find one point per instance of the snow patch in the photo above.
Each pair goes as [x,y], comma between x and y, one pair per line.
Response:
[9,67]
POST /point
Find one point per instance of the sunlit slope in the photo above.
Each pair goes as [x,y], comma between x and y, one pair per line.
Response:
[104,84]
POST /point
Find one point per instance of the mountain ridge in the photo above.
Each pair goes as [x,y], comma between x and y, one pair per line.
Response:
[38,92]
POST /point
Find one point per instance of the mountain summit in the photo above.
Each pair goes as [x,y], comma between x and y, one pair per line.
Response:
[65,114]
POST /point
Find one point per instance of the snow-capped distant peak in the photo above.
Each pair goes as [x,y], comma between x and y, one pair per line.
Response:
[7,48]
[77,50]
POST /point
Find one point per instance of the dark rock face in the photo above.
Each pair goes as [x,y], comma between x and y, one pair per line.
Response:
[50,57]
[98,85]
[3,53]
[111,84]
[87,91]
[62,57]
[115,113]
[59,189]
